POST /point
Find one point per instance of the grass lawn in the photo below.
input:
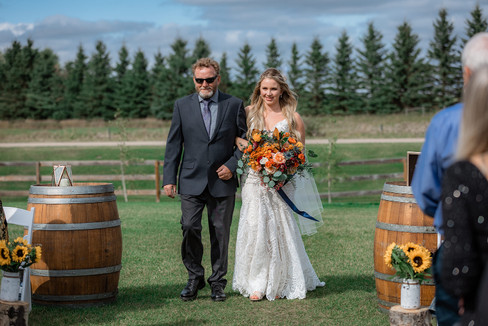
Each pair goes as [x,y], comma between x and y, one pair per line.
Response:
[153,276]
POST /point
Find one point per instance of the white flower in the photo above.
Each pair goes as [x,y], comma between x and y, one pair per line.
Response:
[263,161]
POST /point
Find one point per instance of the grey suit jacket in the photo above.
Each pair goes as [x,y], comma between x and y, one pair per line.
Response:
[197,157]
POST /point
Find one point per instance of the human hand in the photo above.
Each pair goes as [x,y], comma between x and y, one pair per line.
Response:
[170,190]
[241,143]
[224,173]
[461,306]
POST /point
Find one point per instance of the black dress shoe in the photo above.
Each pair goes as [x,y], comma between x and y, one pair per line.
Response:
[218,293]
[191,289]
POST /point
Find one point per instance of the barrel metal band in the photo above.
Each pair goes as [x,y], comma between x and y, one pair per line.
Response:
[73,297]
[77,190]
[409,200]
[388,187]
[75,272]
[405,228]
[76,226]
[85,200]
[388,277]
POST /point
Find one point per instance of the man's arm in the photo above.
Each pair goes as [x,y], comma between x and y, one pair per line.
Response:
[231,164]
[172,156]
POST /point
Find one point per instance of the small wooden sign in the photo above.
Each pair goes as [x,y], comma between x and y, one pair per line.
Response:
[62,175]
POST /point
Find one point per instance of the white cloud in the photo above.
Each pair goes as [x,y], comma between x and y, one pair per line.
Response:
[16,29]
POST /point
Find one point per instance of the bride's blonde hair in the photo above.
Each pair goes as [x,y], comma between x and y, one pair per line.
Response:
[288,103]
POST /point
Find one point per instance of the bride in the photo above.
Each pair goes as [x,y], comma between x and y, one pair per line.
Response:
[271,260]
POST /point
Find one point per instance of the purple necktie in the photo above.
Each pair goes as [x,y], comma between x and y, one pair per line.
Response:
[207,117]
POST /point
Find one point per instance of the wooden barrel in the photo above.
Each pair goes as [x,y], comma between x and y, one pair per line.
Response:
[400,220]
[78,228]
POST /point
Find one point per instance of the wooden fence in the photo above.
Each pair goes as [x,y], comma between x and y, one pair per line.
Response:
[38,178]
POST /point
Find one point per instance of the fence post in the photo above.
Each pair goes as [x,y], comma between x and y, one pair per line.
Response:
[156,178]
[38,172]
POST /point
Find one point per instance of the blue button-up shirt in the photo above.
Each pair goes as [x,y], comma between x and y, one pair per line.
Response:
[437,154]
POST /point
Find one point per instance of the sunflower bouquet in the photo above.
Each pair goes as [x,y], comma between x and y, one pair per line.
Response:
[275,156]
[18,254]
[410,261]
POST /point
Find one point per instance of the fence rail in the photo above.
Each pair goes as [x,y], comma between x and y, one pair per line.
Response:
[38,178]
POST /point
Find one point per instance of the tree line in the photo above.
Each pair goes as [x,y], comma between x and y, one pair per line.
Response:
[366,79]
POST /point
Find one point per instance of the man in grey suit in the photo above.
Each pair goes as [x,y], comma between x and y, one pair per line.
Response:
[201,144]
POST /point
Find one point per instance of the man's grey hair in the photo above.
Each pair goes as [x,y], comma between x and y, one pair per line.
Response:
[475,53]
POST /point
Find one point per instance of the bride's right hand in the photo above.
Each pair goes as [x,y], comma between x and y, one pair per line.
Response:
[241,143]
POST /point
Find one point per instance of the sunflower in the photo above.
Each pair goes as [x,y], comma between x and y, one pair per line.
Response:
[19,253]
[21,241]
[410,246]
[420,260]
[38,254]
[388,254]
[4,253]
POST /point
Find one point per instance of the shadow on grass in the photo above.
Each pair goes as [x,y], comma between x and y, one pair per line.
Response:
[129,299]
[337,284]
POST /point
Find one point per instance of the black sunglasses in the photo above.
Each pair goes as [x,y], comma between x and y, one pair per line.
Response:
[208,80]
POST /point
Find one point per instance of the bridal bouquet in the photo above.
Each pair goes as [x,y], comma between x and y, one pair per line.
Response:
[275,156]
[19,253]
[410,261]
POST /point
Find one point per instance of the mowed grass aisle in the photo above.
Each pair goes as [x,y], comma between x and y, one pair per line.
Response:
[153,276]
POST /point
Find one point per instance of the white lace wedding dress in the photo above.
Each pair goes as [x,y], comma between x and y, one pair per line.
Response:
[270,256]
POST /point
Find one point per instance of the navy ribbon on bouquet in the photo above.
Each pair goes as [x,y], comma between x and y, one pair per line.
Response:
[293,206]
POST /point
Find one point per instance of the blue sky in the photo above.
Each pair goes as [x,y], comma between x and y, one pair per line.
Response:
[226,25]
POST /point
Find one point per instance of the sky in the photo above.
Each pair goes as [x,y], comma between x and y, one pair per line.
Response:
[152,26]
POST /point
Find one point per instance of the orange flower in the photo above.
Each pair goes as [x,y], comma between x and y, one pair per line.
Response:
[279,158]
[276,133]
[256,137]
[292,140]
[301,157]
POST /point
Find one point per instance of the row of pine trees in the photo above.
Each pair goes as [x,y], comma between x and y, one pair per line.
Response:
[361,78]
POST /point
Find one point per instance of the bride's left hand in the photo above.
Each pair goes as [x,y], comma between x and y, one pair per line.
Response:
[241,143]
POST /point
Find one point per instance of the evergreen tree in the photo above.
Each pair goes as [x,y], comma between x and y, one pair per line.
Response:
[295,74]
[476,24]
[371,71]
[445,63]
[139,94]
[225,81]
[157,78]
[98,89]
[122,83]
[406,77]
[316,73]
[246,74]
[42,98]
[272,56]
[73,85]
[201,50]
[344,98]
[17,71]
[174,82]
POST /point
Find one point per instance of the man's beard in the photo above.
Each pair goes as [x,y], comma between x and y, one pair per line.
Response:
[209,94]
